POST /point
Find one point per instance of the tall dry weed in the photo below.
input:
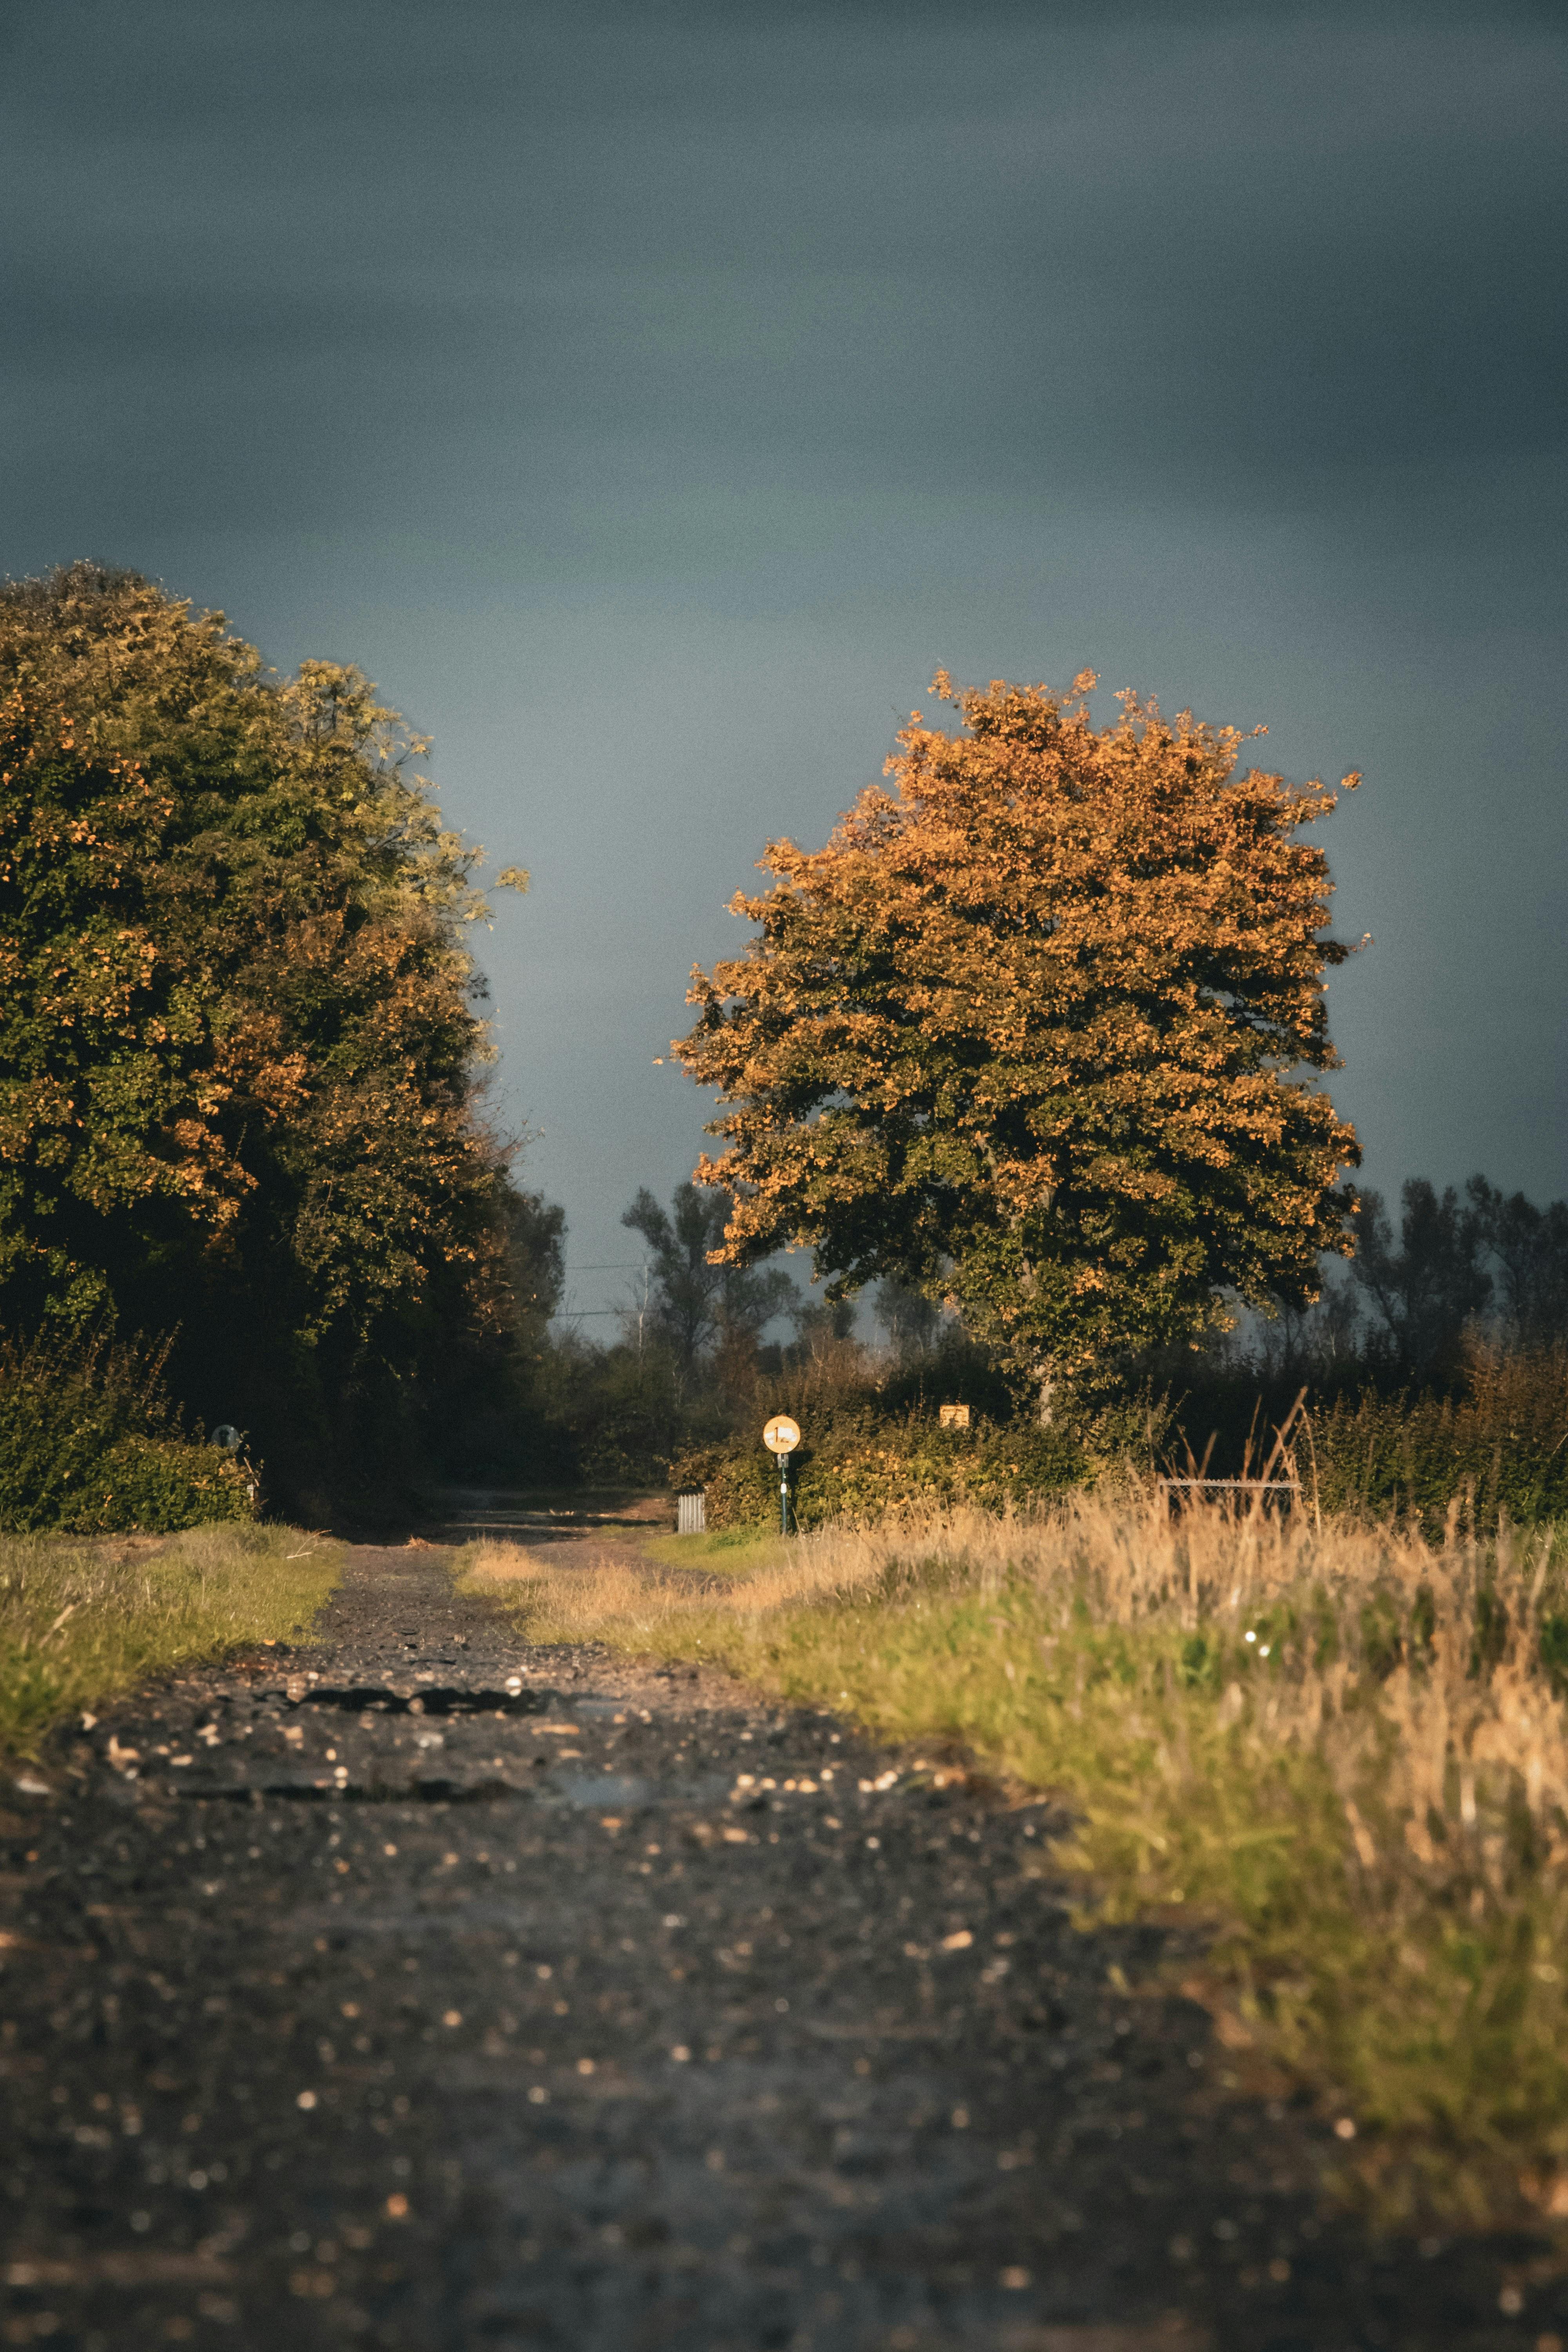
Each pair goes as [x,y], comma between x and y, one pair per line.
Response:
[1337,1749]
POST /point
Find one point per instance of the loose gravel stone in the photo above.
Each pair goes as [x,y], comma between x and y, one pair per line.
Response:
[421,1989]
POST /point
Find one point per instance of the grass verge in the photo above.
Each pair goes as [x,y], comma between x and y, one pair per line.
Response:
[1340,1749]
[81,1619]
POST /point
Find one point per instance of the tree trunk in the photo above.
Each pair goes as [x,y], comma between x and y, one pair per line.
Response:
[1045,1378]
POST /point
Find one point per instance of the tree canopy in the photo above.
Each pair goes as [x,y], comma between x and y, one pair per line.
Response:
[699,1305]
[1037,1030]
[1456,1260]
[240,1052]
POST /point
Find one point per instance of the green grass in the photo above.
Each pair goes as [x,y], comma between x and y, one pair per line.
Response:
[1434,2022]
[730,1551]
[1362,1810]
[82,1620]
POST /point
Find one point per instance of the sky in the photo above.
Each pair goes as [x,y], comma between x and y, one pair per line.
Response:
[651,397]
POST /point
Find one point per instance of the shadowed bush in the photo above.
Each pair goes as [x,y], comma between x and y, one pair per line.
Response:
[1498,1450]
[90,1443]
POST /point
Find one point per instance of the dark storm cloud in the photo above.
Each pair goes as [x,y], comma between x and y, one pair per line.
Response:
[650,395]
[1233,256]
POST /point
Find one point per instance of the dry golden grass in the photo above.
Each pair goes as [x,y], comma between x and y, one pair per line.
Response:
[1339,1747]
[671,1578]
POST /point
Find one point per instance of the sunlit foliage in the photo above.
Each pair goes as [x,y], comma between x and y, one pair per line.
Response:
[1037,1031]
[239,1045]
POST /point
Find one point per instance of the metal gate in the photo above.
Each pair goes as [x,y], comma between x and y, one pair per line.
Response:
[690,1511]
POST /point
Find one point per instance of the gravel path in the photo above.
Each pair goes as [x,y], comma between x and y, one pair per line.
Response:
[423,1991]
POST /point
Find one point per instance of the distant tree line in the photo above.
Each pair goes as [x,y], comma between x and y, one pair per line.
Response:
[1459,1260]
[705,1351]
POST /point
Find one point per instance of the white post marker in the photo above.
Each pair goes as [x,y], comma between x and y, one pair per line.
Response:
[781,1436]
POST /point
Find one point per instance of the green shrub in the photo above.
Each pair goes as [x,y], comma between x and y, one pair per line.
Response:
[861,1464]
[159,1484]
[1498,1450]
[90,1443]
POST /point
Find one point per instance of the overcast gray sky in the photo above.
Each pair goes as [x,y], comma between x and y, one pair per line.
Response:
[650,397]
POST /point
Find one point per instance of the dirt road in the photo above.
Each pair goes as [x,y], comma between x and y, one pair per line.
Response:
[420,1990]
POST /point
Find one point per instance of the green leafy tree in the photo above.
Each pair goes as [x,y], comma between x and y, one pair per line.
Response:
[536,1244]
[1529,1248]
[240,1048]
[1428,1287]
[820,1322]
[1036,1032]
[700,1304]
[909,1317]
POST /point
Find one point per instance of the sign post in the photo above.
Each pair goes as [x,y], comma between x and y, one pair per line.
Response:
[781,1436]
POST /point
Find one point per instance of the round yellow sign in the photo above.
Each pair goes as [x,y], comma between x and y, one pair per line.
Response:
[782,1435]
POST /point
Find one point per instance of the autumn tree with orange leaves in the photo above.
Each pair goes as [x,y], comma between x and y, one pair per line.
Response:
[240,1050]
[1038,1032]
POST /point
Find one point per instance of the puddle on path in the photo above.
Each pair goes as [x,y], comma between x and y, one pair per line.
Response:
[605,1788]
[423,1699]
[354,1792]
